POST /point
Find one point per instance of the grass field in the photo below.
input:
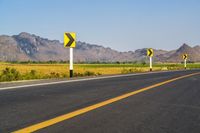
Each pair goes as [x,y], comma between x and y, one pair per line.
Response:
[14,71]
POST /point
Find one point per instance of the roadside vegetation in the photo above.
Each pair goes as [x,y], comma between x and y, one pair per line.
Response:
[45,70]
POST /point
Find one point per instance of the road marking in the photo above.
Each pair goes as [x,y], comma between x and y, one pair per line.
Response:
[93,107]
[85,79]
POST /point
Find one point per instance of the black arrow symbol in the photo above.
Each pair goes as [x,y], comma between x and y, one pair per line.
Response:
[185,56]
[150,52]
[71,39]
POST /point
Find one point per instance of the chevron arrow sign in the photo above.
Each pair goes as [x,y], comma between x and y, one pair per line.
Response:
[150,52]
[69,39]
[185,56]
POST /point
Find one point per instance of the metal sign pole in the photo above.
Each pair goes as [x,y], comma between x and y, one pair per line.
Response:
[150,62]
[71,62]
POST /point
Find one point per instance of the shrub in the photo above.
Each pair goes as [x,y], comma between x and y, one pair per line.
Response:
[75,74]
[54,75]
[125,71]
[33,72]
[89,73]
[31,75]
[98,73]
[9,74]
[143,63]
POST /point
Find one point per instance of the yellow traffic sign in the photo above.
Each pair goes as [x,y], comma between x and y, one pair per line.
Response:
[185,56]
[70,39]
[150,52]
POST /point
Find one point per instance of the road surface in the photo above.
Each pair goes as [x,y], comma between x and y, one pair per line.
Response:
[163,102]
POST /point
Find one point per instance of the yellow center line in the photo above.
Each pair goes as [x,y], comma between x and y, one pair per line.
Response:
[67,116]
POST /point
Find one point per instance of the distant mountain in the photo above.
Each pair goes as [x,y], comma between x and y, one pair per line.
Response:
[176,55]
[193,53]
[25,46]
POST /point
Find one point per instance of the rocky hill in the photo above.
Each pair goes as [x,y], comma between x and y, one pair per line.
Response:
[176,55]
[25,46]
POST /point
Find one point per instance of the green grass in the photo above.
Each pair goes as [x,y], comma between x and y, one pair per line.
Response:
[26,71]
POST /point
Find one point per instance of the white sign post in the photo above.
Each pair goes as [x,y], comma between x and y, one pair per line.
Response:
[185,56]
[185,63]
[70,42]
[71,62]
[150,54]
[150,62]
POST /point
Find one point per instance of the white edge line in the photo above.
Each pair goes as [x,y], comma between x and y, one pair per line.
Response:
[86,79]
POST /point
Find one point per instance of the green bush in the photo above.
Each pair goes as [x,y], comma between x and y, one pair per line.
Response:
[31,75]
[86,73]
[64,75]
[89,73]
[98,73]
[54,75]
[75,74]
[9,74]
[125,71]
[33,72]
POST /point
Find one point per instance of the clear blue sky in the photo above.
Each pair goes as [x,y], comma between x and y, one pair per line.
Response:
[120,24]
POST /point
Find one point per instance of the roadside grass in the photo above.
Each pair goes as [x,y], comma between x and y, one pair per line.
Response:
[17,71]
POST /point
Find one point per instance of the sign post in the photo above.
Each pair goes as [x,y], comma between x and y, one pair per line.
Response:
[69,41]
[185,56]
[70,62]
[185,62]
[150,63]
[150,54]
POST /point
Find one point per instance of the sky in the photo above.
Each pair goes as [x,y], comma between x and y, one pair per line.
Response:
[124,25]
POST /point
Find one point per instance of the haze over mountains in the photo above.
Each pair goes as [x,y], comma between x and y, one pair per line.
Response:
[25,46]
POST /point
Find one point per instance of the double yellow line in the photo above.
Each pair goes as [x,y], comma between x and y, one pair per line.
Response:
[67,116]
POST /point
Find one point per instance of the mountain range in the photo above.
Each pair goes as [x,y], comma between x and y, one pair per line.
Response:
[26,46]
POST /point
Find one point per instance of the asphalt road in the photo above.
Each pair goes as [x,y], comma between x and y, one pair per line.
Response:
[169,108]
